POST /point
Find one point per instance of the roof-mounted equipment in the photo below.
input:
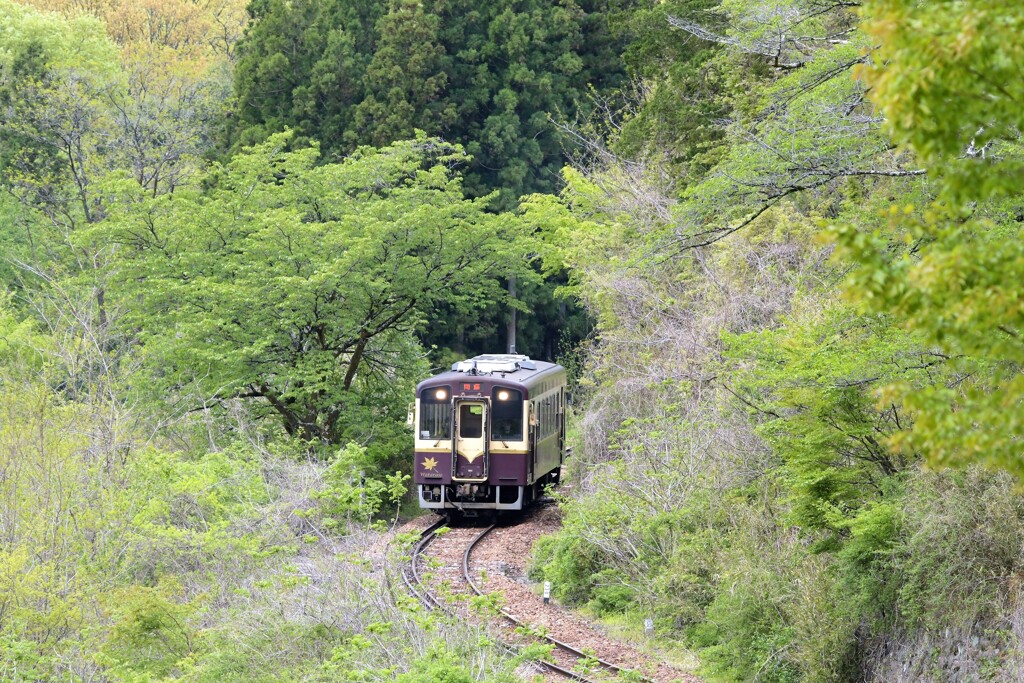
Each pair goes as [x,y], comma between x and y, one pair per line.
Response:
[494,362]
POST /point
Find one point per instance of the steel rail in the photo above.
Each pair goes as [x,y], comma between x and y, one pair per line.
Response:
[419,590]
[518,623]
[411,576]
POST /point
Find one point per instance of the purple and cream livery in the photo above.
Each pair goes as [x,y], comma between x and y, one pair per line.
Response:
[490,434]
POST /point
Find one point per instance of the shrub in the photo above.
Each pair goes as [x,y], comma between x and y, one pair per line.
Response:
[960,548]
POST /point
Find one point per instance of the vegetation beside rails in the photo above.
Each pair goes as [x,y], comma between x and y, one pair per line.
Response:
[777,243]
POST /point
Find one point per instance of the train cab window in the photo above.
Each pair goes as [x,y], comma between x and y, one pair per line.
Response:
[471,421]
[436,413]
[506,415]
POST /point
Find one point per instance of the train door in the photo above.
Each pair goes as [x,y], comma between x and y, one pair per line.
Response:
[561,426]
[534,434]
[470,453]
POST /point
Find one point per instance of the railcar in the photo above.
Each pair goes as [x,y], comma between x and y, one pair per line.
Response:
[490,433]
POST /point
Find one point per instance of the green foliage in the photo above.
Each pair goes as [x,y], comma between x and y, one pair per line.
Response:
[568,563]
[20,661]
[749,449]
[303,285]
[955,288]
[352,491]
[487,78]
[680,119]
[490,78]
[17,241]
[184,555]
[86,526]
[810,386]
[488,605]
[80,42]
[805,561]
[348,72]
[945,76]
[438,666]
[151,632]
[74,109]
[616,555]
[51,72]
[778,614]
[949,272]
[302,65]
[785,615]
[942,578]
[405,78]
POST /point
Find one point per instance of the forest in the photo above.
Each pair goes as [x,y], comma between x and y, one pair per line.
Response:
[777,243]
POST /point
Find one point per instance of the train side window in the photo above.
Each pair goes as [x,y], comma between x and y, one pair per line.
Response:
[551,416]
[543,431]
[547,417]
[540,419]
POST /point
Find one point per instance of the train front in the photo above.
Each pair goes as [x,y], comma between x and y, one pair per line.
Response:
[471,449]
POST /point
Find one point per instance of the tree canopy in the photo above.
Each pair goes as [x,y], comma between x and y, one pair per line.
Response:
[793,228]
[948,84]
[301,284]
[489,77]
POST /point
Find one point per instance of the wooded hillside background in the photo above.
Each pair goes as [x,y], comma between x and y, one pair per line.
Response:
[777,243]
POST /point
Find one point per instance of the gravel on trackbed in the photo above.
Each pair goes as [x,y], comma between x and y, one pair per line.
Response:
[499,564]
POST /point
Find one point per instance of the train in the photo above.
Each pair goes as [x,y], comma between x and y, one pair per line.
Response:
[490,434]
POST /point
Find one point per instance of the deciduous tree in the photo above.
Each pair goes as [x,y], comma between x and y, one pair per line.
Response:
[947,79]
[301,284]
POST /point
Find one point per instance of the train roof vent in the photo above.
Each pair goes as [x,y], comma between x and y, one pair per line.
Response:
[495,362]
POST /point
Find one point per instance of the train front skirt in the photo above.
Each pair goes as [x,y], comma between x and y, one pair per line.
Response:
[471,497]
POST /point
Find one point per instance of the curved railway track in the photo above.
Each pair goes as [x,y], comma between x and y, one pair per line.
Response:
[568,659]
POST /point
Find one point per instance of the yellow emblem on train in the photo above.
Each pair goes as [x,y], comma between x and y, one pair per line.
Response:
[429,464]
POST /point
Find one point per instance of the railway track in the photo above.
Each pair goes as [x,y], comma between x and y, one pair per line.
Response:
[570,663]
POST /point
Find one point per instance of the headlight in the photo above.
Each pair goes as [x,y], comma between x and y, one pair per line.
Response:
[503,395]
[441,394]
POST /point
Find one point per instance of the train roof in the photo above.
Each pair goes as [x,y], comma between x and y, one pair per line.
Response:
[508,367]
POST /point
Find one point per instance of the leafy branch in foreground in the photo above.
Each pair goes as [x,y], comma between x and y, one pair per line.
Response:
[948,83]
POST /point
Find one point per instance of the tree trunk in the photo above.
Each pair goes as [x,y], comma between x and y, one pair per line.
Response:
[510,329]
[357,356]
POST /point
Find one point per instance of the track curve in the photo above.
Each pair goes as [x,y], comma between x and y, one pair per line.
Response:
[567,657]
[418,588]
[560,645]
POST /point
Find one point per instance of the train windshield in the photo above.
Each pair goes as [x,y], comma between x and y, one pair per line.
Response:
[436,413]
[507,415]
